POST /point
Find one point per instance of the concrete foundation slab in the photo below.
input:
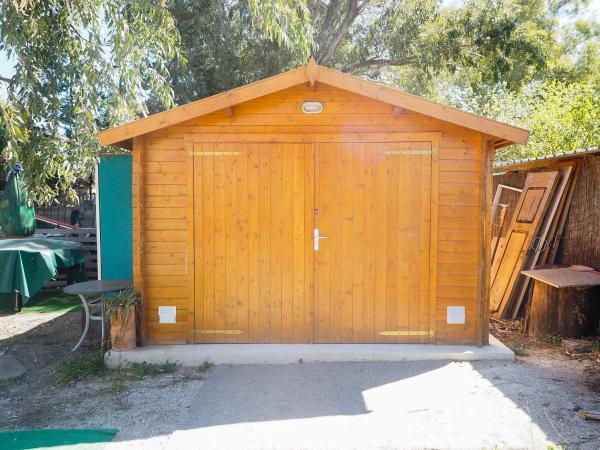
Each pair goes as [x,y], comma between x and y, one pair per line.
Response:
[194,355]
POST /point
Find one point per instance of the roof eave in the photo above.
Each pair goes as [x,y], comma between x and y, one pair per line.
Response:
[544,161]
[123,133]
[503,133]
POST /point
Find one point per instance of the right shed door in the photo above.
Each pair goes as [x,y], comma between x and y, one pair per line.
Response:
[373,210]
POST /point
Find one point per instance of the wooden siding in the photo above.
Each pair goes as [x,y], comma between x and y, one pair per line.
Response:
[161,200]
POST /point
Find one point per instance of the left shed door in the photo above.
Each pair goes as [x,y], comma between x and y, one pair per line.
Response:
[253,224]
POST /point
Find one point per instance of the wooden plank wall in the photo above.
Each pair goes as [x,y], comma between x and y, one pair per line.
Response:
[160,178]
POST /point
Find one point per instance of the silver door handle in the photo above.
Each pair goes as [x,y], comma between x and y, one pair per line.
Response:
[316,238]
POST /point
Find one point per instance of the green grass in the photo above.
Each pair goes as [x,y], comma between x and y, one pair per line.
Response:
[118,386]
[554,339]
[47,301]
[79,367]
[144,369]
[519,350]
[82,367]
[596,346]
[205,366]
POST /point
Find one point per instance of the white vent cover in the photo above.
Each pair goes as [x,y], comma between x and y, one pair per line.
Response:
[456,315]
[167,314]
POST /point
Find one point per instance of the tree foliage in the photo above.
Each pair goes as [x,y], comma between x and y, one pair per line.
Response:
[561,107]
[81,65]
[224,47]
[561,116]
[423,46]
[3,137]
[286,22]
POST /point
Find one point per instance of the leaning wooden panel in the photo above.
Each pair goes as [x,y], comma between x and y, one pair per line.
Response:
[511,251]
[544,235]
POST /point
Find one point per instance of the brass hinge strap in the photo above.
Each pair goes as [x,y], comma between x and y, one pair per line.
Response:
[215,153]
[409,152]
[217,332]
[406,333]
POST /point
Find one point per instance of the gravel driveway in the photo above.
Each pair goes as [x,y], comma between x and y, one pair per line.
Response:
[378,405]
[523,404]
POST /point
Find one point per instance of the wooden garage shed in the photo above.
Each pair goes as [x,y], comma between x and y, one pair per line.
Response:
[313,207]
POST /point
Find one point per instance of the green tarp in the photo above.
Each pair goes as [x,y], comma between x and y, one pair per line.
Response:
[17,216]
[27,264]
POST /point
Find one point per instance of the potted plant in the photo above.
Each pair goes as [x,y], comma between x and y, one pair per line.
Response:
[122,310]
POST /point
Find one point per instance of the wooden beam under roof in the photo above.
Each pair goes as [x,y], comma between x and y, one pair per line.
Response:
[230,111]
[396,111]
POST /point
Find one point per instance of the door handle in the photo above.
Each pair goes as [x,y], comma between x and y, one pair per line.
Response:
[316,238]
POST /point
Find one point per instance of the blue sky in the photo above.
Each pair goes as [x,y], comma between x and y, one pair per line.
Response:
[592,11]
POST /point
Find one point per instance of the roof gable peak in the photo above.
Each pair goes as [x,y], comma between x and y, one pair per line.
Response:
[311,73]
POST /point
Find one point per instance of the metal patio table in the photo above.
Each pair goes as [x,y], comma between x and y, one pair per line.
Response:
[90,289]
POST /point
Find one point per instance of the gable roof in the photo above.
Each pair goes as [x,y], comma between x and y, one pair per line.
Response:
[505,134]
[536,162]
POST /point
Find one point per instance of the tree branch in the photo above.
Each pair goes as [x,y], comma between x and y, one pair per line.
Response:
[7,80]
[326,27]
[376,62]
[354,9]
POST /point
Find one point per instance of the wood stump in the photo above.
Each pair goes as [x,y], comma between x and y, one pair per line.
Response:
[566,312]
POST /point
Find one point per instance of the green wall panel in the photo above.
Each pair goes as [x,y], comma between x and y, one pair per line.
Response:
[115,213]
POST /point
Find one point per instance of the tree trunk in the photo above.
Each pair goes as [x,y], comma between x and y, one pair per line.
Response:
[330,38]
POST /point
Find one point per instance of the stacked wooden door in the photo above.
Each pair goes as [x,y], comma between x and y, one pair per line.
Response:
[258,277]
[512,249]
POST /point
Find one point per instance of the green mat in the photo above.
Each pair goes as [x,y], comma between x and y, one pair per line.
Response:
[57,439]
[43,302]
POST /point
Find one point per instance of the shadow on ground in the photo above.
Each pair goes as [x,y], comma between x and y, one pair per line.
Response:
[40,337]
[258,393]
[435,404]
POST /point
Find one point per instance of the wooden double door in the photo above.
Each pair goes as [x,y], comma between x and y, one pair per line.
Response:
[312,242]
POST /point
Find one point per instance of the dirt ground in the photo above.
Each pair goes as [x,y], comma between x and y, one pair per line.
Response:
[36,400]
[545,382]
[549,352]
